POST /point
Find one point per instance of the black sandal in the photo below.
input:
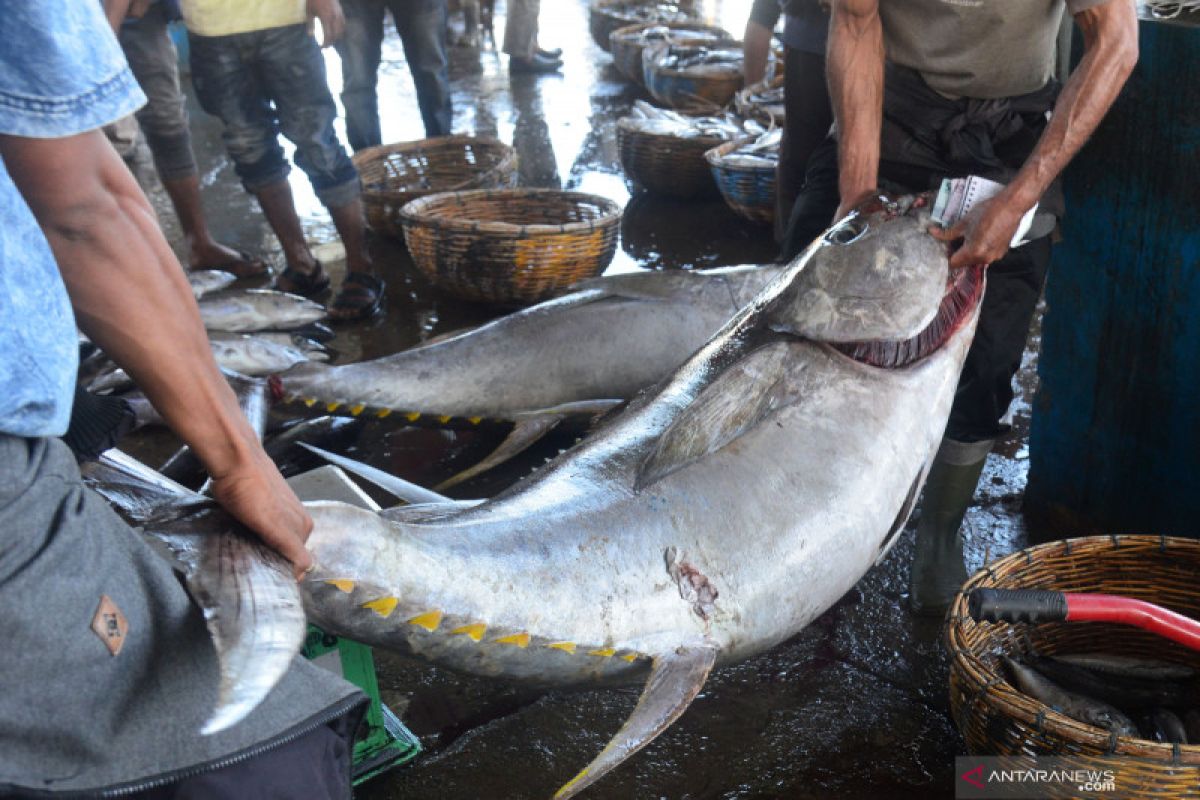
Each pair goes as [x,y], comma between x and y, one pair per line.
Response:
[361,296]
[305,284]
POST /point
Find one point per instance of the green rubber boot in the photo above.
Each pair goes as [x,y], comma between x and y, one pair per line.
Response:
[938,569]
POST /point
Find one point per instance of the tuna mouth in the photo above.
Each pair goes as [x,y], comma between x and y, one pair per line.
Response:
[964,289]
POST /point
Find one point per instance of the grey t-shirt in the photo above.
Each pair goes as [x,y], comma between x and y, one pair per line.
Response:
[977,48]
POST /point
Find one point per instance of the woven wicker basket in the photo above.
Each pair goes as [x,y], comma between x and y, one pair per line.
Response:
[605,16]
[510,247]
[626,44]
[688,90]
[395,174]
[749,191]
[666,164]
[996,719]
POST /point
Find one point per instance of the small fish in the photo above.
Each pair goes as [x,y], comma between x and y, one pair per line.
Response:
[1129,667]
[1076,706]
[1126,688]
[206,281]
[239,311]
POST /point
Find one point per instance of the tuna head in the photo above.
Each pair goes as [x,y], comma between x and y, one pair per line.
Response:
[876,275]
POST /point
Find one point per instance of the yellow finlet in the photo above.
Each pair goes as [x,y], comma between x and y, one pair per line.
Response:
[331,407]
[383,412]
[519,639]
[604,652]
[475,631]
[343,584]
[356,410]
[413,416]
[310,401]
[429,620]
[630,657]
[384,606]
[443,419]
[566,787]
[566,647]
[474,420]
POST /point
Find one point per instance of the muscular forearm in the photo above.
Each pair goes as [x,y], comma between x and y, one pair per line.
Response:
[129,292]
[1110,37]
[755,46]
[855,66]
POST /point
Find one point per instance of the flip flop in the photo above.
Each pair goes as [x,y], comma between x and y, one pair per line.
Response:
[305,284]
[360,297]
[244,266]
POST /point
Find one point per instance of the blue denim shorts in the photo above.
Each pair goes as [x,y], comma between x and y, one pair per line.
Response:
[264,83]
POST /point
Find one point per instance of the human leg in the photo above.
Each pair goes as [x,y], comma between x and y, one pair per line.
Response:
[229,86]
[422,28]
[809,116]
[294,73]
[984,393]
[521,39]
[359,49]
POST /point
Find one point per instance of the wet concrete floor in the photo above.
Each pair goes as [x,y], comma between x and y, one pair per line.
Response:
[855,706]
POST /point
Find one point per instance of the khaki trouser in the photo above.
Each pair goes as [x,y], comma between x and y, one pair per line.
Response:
[521,28]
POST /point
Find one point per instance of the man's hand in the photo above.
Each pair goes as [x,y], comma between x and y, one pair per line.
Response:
[848,205]
[986,232]
[333,23]
[255,493]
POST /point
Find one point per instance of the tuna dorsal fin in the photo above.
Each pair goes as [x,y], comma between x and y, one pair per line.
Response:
[675,680]
[405,490]
[728,407]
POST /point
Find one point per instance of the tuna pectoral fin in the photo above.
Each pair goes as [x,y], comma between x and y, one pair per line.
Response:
[252,606]
[404,490]
[675,680]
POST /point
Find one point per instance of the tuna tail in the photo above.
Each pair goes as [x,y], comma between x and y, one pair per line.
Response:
[245,590]
[675,680]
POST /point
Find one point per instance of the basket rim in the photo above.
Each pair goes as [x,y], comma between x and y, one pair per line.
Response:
[712,156]
[1008,700]
[433,143]
[412,212]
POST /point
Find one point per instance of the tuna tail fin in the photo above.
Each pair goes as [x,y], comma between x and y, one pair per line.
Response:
[404,490]
[675,680]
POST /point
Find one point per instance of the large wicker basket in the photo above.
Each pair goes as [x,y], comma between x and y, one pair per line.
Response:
[689,90]
[605,16]
[666,164]
[626,44]
[510,247]
[996,719]
[748,190]
[396,174]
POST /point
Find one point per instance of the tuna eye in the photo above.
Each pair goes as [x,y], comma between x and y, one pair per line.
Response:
[849,231]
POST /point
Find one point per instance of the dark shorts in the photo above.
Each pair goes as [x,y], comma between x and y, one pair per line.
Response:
[268,82]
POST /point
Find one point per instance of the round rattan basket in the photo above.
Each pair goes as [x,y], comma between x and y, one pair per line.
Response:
[748,190]
[605,16]
[996,719]
[510,247]
[626,44]
[689,89]
[395,174]
[666,164]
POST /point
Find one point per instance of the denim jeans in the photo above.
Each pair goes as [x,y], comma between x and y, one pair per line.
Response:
[164,119]
[267,82]
[422,28]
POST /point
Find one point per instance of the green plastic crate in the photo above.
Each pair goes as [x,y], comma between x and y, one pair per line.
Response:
[383,742]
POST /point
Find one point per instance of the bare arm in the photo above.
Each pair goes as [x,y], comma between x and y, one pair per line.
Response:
[756,43]
[855,66]
[1110,52]
[131,298]
[115,11]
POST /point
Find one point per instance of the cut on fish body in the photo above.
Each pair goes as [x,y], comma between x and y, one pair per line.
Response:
[768,460]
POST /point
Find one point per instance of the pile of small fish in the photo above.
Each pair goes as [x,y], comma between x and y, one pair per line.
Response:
[763,100]
[1154,700]
[635,12]
[663,33]
[646,118]
[759,153]
[697,59]
[1170,9]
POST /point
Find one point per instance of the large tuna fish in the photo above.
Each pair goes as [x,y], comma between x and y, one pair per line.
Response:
[607,340]
[716,516]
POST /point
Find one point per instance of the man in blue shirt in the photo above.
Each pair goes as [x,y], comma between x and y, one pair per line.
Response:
[79,714]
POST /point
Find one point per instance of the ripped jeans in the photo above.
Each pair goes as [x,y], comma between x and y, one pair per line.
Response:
[264,83]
